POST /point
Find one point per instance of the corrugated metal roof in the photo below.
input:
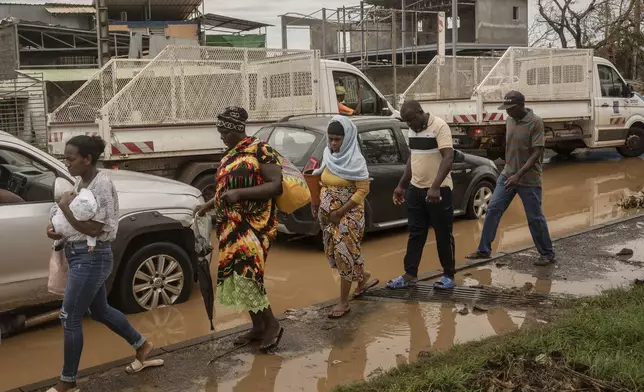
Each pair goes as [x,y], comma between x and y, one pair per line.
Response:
[71,10]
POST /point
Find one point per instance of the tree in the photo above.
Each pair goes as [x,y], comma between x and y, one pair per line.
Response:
[611,27]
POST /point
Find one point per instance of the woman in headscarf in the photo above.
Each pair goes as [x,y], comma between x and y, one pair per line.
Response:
[345,184]
[247,182]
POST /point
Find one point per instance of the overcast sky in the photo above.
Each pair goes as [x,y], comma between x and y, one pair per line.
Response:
[266,11]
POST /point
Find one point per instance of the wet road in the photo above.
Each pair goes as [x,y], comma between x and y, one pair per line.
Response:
[578,193]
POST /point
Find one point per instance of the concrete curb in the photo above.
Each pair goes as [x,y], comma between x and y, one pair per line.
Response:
[242,328]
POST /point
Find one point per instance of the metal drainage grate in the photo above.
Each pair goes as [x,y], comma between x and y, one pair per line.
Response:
[424,292]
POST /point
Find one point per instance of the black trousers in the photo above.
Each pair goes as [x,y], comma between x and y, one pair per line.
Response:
[423,215]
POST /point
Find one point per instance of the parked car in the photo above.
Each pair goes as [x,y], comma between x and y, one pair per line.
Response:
[384,146]
[154,253]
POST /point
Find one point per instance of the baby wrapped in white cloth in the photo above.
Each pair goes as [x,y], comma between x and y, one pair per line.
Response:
[84,207]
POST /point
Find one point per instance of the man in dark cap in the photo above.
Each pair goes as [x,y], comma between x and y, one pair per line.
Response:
[524,148]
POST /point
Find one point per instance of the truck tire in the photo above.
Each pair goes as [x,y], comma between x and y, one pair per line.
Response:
[206,184]
[634,143]
[565,151]
[170,278]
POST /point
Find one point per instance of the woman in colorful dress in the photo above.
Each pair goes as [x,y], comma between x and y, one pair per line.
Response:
[247,182]
[345,184]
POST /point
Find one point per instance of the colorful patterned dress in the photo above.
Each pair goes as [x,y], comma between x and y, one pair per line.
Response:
[245,229]
[342,242]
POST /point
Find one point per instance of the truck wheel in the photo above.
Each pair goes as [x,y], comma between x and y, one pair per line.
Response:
[634,146]
[157,275]
[566,151]
[479,200]
[206,184]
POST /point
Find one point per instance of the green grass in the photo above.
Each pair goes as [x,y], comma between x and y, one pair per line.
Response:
[603,333]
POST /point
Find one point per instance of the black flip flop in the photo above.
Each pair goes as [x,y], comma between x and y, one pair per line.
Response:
[244,340]
[276,341]
[371,284]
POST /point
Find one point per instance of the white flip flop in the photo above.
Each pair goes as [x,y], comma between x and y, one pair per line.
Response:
[137,365]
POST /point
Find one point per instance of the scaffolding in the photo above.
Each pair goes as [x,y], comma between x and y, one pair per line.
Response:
[405,31]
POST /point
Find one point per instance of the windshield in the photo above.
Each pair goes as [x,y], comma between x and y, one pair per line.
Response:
[14,159]
[294,143]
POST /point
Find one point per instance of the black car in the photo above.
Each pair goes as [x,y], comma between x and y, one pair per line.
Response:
[384,146]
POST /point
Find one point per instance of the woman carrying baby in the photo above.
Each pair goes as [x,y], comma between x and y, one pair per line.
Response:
[88,270]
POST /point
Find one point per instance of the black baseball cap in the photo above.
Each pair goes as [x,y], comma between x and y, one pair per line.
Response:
[512,99]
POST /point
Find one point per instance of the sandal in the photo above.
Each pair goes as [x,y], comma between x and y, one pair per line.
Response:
[246,339]
[400,283]
[339,314]
[444,284]
[276,341]
[137,365]
[360,292]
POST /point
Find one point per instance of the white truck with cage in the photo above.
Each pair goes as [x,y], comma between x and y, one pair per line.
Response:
[158,116]
[583,100]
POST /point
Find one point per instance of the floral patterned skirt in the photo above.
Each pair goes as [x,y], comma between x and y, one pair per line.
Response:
[342,242]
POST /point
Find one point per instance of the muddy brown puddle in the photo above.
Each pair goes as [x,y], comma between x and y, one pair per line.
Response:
[577,194]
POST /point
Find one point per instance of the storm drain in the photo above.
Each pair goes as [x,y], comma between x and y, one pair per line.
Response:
[424,292]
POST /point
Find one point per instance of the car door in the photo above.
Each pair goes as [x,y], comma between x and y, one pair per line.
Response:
[380,148]
[611,107]
[24,264]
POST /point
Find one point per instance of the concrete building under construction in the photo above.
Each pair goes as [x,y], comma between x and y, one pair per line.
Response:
[371,32]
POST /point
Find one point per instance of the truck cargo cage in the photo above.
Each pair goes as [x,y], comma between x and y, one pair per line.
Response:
[541,74]
[453,78]
[192,84]
[86,102]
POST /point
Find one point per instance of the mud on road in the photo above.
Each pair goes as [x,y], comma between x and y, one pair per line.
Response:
[318,354]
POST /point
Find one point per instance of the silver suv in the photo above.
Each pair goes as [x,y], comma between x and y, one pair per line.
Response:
[154,255]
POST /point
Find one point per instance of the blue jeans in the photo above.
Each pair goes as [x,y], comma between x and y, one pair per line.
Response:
[423,215]
[86,292]
[501,199]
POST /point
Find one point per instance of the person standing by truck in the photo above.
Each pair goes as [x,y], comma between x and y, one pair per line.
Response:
[343,109]
[426,187]
[524,148]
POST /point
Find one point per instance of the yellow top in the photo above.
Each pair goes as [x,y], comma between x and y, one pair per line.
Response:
[362,190]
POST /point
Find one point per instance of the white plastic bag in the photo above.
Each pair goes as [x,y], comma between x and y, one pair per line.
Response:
[58,270]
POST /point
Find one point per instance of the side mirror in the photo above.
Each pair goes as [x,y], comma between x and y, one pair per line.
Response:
[459,157]
[61,186]
[629,91]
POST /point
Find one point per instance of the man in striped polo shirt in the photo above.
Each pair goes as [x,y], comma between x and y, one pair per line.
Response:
[524,146]
[426,187]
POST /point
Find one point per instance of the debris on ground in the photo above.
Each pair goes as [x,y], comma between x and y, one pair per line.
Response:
[480,308]
[632,201]
[625,252]
[545,372]
[500,264]
[464,311]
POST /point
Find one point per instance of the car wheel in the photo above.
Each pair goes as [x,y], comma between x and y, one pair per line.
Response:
[206,184]
[634,143]
[479,200]
[157,275]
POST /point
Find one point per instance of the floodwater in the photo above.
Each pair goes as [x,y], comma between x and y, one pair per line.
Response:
[578,193]
[394,335]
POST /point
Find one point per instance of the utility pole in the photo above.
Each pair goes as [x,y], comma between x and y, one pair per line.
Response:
[102,33]
[454,26]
